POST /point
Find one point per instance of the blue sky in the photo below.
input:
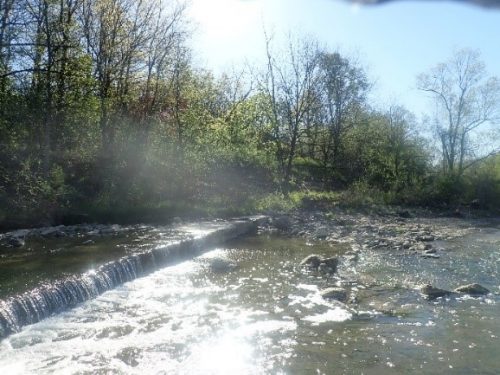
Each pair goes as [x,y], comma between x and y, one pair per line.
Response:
[395,41]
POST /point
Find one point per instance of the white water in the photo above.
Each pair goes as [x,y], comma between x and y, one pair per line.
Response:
[171,322]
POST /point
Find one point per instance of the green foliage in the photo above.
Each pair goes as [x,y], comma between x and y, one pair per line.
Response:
[275,202]
[482,184]
[361,194]
[124,128]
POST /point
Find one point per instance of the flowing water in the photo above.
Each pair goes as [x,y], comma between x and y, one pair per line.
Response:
[267,317]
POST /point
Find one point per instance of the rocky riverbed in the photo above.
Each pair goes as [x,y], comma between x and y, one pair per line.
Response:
[399,234]
[400,231]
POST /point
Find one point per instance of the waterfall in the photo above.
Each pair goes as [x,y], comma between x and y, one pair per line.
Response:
[51,298]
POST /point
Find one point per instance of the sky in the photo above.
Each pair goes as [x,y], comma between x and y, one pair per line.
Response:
[394,42]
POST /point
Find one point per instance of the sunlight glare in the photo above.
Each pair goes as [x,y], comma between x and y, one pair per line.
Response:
[226,28]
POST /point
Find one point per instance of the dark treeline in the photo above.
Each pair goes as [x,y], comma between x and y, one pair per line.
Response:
[102,113]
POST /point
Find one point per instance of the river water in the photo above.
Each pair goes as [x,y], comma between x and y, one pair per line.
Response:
[267,316]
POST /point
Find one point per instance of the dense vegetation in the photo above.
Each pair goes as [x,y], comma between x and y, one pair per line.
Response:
[103,116]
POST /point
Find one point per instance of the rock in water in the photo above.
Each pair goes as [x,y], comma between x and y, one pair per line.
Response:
[430,256]
[431,292]
[283,223]
[321,233]
[221,265]
[15,241]
[329,264]
[472,289]
[335,293]
[426,238]
[311,261]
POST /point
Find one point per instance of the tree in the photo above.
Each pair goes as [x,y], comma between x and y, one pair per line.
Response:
[289,83]
[403,151]
[343,90]
[129,41]
[465,99]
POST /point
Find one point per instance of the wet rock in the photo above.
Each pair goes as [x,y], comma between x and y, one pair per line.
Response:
[49,232]
[338,294]
[59,234]
[430,256]
[112,229]
[425,238]
[472,289]
[221,265]
[431,292]
[14,242]
[311,261]
[423,246]
[321,233]
[283,223]
[329,265]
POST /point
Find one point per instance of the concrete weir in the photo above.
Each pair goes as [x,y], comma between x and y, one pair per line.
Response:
[48,299]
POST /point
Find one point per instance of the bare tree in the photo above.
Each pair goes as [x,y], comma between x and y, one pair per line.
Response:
[343,90]
[289,83]
[466,99]
[129,41]
[8,30]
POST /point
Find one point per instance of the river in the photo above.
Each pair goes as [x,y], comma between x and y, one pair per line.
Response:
[268,317]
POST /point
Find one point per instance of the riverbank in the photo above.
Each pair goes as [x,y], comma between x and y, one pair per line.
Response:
[295,204]
[377,225]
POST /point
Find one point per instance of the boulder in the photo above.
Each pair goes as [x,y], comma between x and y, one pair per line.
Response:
[48,232]
[14,242]
[283,223]
[472,289]
[423,246]
[430,255]
[426,238]
[59,234]
[338,294]
[311,261]
[329,264]
[112,229]
[321,233]
[431,292]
